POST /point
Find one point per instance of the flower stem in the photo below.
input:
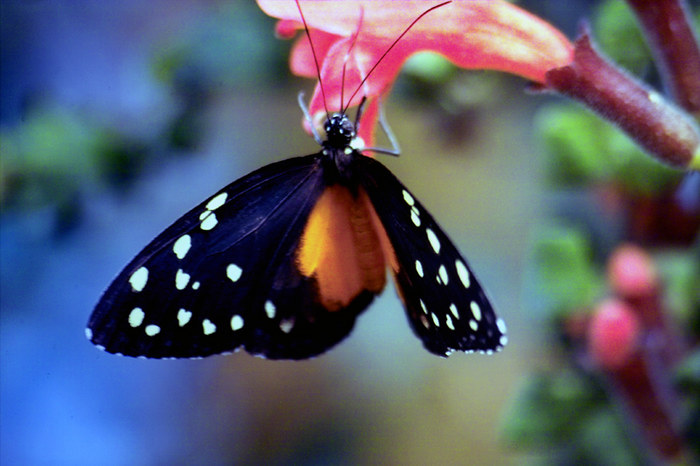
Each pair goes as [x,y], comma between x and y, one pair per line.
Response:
[670,35]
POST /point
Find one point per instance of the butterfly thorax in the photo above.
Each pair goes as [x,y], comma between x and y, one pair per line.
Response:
[339,150]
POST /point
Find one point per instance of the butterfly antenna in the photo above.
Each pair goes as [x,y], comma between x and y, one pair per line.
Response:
[392,46]
[313,52]
[347,57]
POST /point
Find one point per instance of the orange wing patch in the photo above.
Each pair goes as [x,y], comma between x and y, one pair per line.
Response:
[344,247]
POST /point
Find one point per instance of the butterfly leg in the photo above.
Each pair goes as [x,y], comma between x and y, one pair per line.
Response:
[395,150]
[307,115]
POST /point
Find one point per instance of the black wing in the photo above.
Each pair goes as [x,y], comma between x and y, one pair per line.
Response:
[446,306]
[223,276]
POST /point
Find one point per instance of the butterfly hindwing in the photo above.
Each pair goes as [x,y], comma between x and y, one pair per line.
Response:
[446,306]
[224,276]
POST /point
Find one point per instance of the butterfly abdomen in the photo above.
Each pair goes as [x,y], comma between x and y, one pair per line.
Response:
[340,248]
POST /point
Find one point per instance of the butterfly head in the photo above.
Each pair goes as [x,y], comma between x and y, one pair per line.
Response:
[340,131]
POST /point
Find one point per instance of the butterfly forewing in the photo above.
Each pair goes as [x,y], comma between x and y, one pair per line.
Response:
[446,306]
[223,276]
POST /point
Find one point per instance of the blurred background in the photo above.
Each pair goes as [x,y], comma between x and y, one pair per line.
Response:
[118,117]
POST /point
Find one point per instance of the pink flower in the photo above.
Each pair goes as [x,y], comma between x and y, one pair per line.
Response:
[475,34]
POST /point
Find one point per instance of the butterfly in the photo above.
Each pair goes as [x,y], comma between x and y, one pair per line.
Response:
[283,260]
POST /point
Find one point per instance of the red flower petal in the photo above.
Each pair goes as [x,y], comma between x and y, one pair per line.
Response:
[301,60]
[286,29]
[476,34]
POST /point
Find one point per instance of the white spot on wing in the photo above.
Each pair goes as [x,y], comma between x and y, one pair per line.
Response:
[209,222]
[152,330]
[473,324]
[181,279]
[419,268]
[433,239]
[422,305]
[216,201]
[454,311]
[415,218]
[286,325]
[462,273]
[436,321]
[503,341]
[208,327]
[136,317]
[236,322]
[182,246]
[476,310]
[270,309]
[183,317]
[195,286]
[448,321]
[443,274]
[139,279]
[233,272]
[407,197]
[500,323]
[88,333]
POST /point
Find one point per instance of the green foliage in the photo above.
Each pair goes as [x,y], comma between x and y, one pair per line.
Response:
[44,159]
[688,374]
[687,378]
[565,278]
[602,439]
[55,156]
[568,416]
[618,34]
[680,275]
[429,67]
[582,149]
[547,409]
[119,158]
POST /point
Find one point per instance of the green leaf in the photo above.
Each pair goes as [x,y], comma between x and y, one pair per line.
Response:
[680,274]
[548,409]
[565,277]
[576,153]
[617,32]
[583,149]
